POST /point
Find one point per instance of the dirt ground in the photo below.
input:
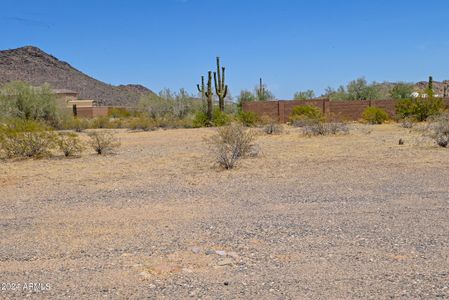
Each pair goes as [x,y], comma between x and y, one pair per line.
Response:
[342,217]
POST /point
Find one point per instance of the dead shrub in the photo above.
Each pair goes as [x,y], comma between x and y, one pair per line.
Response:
[322,128]
[70,144]
[269,125]
[408,123]
[103,142]
[231,143]
[438,129]
[142,123]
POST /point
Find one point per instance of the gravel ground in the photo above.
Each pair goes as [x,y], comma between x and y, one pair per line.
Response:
[354,216]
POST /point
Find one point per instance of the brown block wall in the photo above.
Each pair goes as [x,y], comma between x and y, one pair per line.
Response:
[344,110]
[92,112]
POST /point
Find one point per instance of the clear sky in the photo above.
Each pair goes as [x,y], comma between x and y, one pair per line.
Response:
[293,45]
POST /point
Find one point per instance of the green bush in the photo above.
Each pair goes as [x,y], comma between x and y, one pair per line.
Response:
[200,120]
[70,144]
[419,108]
[247,118]
[26,138]
[76,124]
[375,115]
[117,112]
[21,100]
[220,118]
[100,122]
[306,114]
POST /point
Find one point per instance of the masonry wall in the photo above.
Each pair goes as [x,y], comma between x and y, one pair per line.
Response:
[343,110]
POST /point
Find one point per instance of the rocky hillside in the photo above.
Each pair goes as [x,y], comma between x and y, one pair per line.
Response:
[439,87]
[32,65]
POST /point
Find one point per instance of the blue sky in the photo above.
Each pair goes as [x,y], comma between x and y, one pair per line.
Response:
[293,45]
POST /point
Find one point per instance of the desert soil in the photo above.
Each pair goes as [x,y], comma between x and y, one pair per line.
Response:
[344,217]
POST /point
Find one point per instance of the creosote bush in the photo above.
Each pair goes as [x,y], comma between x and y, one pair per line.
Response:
[419,108]
[200,120]
[220,118]
[142,123]
[230,144]
[70,144]
[247,118]
[375,115]
[305,115]
[438,129]
[20,138]
[103,142]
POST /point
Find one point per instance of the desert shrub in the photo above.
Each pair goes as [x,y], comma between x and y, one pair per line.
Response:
[273,128]
[419,108]
[103,142]
[230,144]
[72,123]
[408,122]
[141,123]
[118,112]
[200,120]
[321,128]
[375,115]
[247,118]
[438,129]
[305,115]
[220,118]
[70,144]
[100,122]
[26,138]
[21,100]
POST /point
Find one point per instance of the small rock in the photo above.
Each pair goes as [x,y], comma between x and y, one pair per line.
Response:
[145,275]
[233,255]
[196,250]
[225,262]
[401,142]
[220,252]
[210,252]
[187,270]
[226,283]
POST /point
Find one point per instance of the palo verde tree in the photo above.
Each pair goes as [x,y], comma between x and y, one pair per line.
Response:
[208,93]
[221,89]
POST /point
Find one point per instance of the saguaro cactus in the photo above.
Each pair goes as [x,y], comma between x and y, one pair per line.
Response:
[208,93]
[430,92]
[74,110]
[261,92]
[221,89]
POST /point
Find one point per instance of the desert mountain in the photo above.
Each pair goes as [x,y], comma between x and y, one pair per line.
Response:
[32,65]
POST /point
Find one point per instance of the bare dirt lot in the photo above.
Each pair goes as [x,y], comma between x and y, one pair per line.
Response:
[354,216]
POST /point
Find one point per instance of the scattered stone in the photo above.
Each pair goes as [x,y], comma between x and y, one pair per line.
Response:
[145,275]
[196,250]
[220,252]
[187,270]
[225,262]
[210,252]
[234,255]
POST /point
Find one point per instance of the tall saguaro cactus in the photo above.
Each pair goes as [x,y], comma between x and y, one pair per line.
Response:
[430,92]
[208,93]
[221,89]
[261,93]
